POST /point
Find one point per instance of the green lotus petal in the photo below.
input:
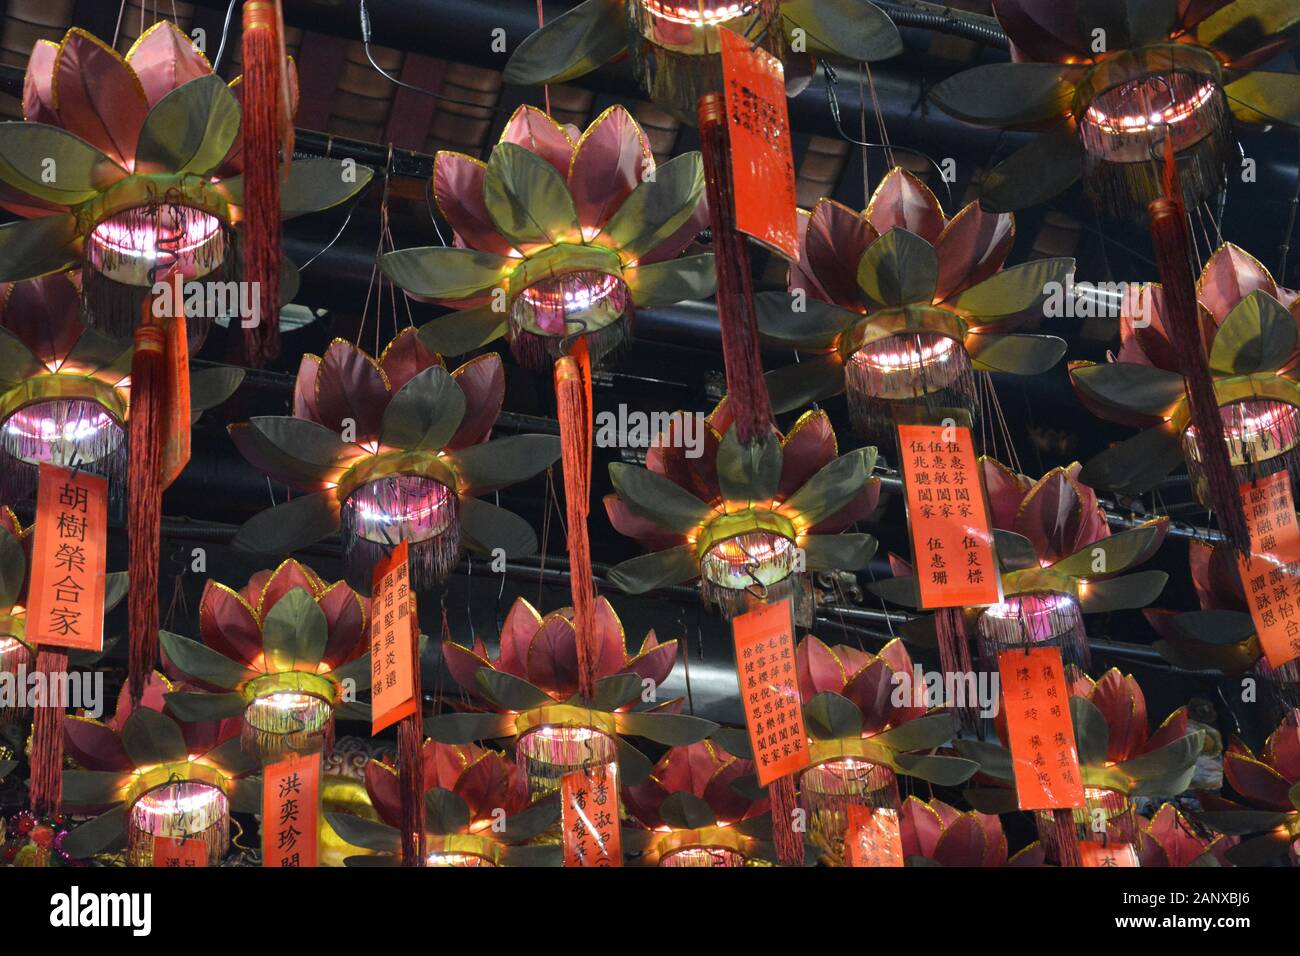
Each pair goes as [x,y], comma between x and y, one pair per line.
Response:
[901,591]
[316,449]
[317,184]
[831,716]
[992,800]
[425,413]
[900,268]
[357,671]
[1091,734]
[575,43]
[942,771]
[1176,759]
[1258,335]
[616,690]
[102,354]
[671,730]
[31,248]
[735,741]
[13,569]
[149,737]
[294,633]
[485,527]
[839,552]
[105,832]
[684,810]
[804,322]
[1131,386]
[462,332]
[287,527]
[445,272]
[656,208]
[749,472]
[1015,354]
[246,795]
[1013,291]
[506,461]
[1267,850]
[191,129]
[808,381]
[52,164]
[527,198]
[994,760]
[7,767]
[116,584]
[202,663]
[1044,169]
[16,360]
[1135,466]
[508,691]
[468,728]
[1123,594]
[1265,98]
[231,757]
[657,499]
[93,788]
[650,571]
[192,706]
[676,280]
[633,766]
[1216,626]
[1241,822]
[923,733]
[1246,25]
[1114,554]
[548,855]
[854,30]
[209,387]
[1128,23]
[833,487]
[530,823]
[1015,552]
[363,833]
[445,812]
[1009,94]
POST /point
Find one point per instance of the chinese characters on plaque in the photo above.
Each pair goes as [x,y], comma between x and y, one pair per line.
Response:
[873,838]
[179,852]
[1040,731]
[1109,854]
[589,815]
[392,642]
[952,541]
[66,596]
[1271,575]
[769,687]
[290,807]
[762,159]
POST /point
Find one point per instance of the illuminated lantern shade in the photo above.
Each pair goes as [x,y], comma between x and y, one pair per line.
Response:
[858,734]
[1221,635]
[1250,338]
[530,692]
[1119,758]
[276,653]
[388,451]
[694,816]
[1170,839]
[149,157]
[674,43]
[940,833]
[891,336]
[750,536]
[1177,73]
[15,558]
[470,793]
[154,777]
[561,236]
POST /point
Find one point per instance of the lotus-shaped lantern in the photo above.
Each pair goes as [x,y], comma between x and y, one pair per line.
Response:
[285,653]
[158,778]
[747,523]
[900,305]
[942,835]
[15,558]
[1170,839]
[147,156]
[392,450]
[1248,325]
[1107,84]
[559,236]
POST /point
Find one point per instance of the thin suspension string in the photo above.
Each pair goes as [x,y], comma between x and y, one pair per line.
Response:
[117,30]
[546,87]
[880,113]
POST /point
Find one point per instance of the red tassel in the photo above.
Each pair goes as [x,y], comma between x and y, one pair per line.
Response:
[1174,261]
[954,658]
[1067,839]
[263,87]
[46,781]
[144,500]
[410,765]
[573,398]
[747,395]
[789,845]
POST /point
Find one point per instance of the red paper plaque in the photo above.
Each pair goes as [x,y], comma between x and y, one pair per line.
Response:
[1110,854]
[66,595]
[769,686]
[1271,575]
[947,515]
[1037,706]
[179,852]
[589,815]
[291,811]
[874,837]
[762,160]
[392,642]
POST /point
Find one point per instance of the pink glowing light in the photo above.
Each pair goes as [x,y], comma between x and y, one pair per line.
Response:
[1148,92]
[696,15]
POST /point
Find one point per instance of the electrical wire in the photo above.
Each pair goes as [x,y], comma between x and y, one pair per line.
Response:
[225,33]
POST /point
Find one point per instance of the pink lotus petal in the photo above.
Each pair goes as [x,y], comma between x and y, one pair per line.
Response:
[649,535]
[483,381]
[859,509]
[676,243]
[654,663]
[972,247]
[385,793]
[1121,702]
[536,132]
[808,448]
[818,667]
[345,617]
[350,385]
[93,745]
[304,389]
[99,98]
[552,661]
[521,623]
[902,201]
[288,576]
[609,639]
[484,786]
[1257,782]
[644,800]
[43,314]
[1229,277]
[1051,515]
[870,689]
[458,191]
[38,84]
[962,844]
[164,58]
[835,241]
[1283,748]
[1043,31]
[800,275]
[405,357]
[609,162]
[227,624]
[920,827]
[464,665]
[1005,490]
